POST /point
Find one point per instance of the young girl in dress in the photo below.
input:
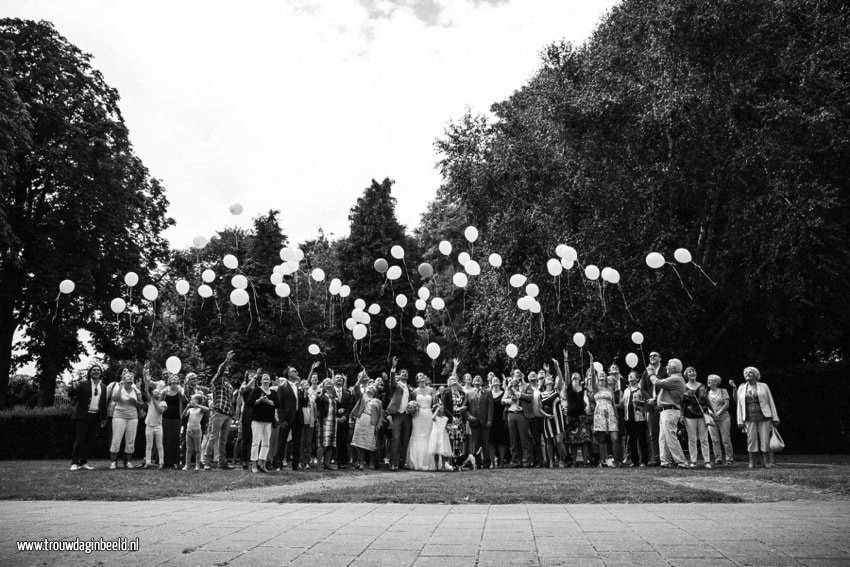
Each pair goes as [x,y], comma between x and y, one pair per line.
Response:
[439,446]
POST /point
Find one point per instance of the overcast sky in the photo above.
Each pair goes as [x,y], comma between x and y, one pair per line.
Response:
[297,105]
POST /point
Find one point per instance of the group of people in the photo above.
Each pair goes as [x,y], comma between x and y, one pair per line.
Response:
[539,419]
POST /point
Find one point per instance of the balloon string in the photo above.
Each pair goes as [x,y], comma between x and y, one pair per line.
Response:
[183,317]
[569,290]
[56,308]
[680,280]
[390,351]
[581,360]
[626,303]
[297,312]
[558,293]
[452,325]
[153,324]
[251,322]
[254,291]
[601,297]
[406,271]
[218,308]
[706,275]
[640,346]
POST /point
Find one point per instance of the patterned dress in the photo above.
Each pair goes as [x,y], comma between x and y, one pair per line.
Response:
[605,415]
[326,432]
[457,431]
[555,425]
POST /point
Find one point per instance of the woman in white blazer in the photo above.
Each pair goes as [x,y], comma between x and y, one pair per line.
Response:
[756,414]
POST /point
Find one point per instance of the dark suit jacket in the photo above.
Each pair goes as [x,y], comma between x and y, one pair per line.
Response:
[480,407]
[448,403]
[82,392]
[286,409]
[394,394]
[526,401]
[345,403]
[646,383]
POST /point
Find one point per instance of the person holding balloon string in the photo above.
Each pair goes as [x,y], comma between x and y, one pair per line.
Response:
[605,423]
[517,397]
[125,419]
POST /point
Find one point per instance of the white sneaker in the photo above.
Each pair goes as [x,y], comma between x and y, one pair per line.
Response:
[87,466]
[113,465]
[186,468]
[708,465]
[75,467]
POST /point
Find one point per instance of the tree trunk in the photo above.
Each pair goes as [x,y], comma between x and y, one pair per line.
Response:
[7,335]
[50,366]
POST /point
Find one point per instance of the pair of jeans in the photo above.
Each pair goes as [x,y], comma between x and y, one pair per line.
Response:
[153,436]
[219,429]
[193,446]
[721,432]
[653,419]
[697,431]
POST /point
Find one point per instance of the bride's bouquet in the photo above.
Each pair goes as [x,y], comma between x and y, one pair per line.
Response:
[412,408]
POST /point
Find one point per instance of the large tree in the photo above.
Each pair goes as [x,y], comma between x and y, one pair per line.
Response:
[75,201]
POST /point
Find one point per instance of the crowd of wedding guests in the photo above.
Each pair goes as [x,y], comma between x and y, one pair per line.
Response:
[543,418]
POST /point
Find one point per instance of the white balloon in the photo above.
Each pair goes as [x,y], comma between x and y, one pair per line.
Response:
[182,287]
[438,303]
[390,322]
[335,286]
[637,338]
[472,268]
[66,286]
[290,267]
[236,209]
[208,276]
[397,252]
[567,264]
[560,250]
[344,291]
[570,254]
[518,280]
[118,305]
[401,300]
[424,293]
[511,350]
[393,273]
[239,281]
[286,255]
[205,291]
[298,254]
[682,255]
[318,274]
[173,364]
[365,318]
[579,339]
[230,262]
[445,247]
[350,323]
[374,309]
[471,233]
[357,315]
[631,360]
[463,258]
[131,279]
[591,272]
[532,290]
[495,260]
[420,305]
[654,260]
[278,269]
[359,331]
[433,350]
[598,367]
[460,279]
[418,322]
[524,302]
[614,276]
[604,273]
[554,267]
[276,278]
[239,297]
[282,290]
[535,307]
[150,293]
[313,349]
[200,242]
[359,304]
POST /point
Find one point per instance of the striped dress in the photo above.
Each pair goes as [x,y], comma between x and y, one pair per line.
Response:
[551,403]
[326,427]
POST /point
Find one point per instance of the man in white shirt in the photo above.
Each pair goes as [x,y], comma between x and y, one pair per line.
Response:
[89,415]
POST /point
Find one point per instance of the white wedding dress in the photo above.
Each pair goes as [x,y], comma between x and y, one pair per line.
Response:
[418,458]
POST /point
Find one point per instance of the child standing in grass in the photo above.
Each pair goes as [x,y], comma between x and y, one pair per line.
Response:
[439,445]
[153,429]
[196,413]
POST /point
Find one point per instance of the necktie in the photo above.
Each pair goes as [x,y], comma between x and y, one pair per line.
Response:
[96,390]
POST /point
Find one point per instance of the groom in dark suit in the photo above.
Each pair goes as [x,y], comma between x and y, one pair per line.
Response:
[291,400]
[398,396]
[89,415]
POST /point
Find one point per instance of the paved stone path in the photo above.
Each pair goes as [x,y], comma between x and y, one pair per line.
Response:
[204,532]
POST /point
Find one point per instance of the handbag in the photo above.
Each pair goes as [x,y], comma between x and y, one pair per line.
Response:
[707,416]
[776,442]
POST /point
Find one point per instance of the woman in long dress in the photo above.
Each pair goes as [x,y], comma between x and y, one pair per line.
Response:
[365,428]
[418,457]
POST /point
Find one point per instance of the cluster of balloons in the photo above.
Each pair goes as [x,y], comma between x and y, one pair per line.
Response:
[655,260]
[361,317]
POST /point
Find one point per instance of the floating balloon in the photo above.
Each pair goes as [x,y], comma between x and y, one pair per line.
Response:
[463,258]
[236,209]
[637,338]
[418,322]
[230,262]
[397,252]
[471,234]
[532,290]
[631,360]
[393,273]
[182,287]
[381,265]
[592,272]
[150,293]
[359,304]
[118,305]
[282,290]
[567,264]
[205,291]
[276,279]
[344,291]
[682,255]
[350,323]
[560,250]
[239,297]
[358,315]
[518,280]
[605,273]
[423,293]
[66,286]
[401,300]
[445,247]
[554,267]
[420,305]
[200,242]
[318,274]
[535,306]
[598,367]
[614,276]
[654,260]
[365,318]
[460,279]
[208,276]
[313,349]
[438,303]
[433,350]
[335,286]
[472,268]
[131,279]
[579,339]
[173,364]
[426,270]
[570,254]
[524,302]
[239,281]
[359,331]
[390,322]
[374,309]
[287,255]
[495,260]
[511,350]
[289,267]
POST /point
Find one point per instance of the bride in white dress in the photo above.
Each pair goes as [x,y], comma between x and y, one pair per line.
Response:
[418,458]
